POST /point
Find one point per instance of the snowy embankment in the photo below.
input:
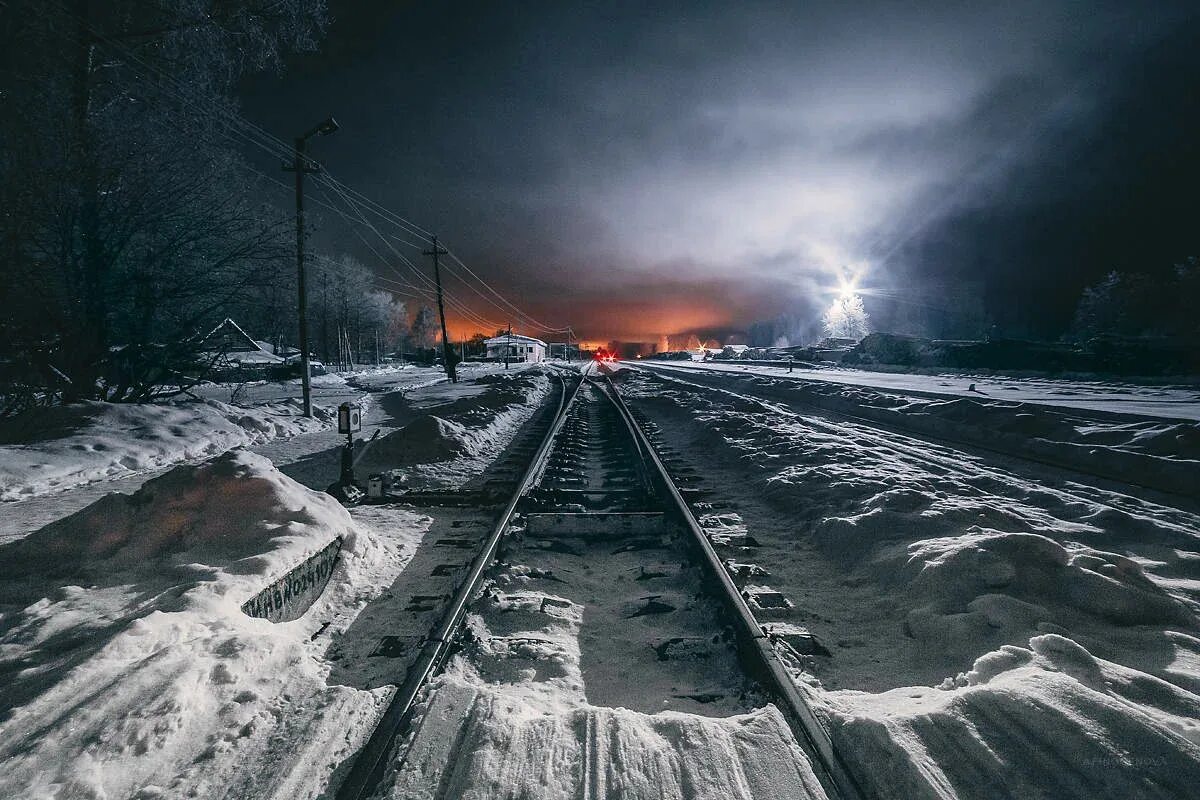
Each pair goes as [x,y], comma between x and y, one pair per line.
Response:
[447,448]
[128,667]
[1157,453]
[987,634]
[57,448]
[1048,720]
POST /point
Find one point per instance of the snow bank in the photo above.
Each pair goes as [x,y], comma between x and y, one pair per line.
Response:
[1046,721]
[60,447]
[128,667]
[464,436]
[511,720]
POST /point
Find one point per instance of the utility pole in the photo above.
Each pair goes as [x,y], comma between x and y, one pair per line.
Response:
[447,352]
[302,166]
[508,346]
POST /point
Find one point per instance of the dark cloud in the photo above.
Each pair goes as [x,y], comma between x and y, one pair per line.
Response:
[648,165]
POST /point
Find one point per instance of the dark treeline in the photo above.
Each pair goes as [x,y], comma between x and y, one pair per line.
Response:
[1138,305]
[128,224]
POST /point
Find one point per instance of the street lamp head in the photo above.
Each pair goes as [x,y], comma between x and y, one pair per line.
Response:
[324,128]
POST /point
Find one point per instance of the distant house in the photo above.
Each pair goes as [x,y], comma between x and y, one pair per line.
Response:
[515,348]
[232,348]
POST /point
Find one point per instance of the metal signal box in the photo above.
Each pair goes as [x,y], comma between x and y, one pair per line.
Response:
[349,418]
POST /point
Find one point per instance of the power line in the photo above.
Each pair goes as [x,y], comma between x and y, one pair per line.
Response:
[252,134]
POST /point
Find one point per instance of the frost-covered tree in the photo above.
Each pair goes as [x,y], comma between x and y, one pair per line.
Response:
[1134,304]
[846,318]
[424,331]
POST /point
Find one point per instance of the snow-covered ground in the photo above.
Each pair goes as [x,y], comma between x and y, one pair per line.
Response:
[1154,452]
[1168,401]
[128,667]
[98,448]
[65,446]
[980,628]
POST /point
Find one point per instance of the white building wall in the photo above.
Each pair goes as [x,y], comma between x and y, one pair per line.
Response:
[518,350]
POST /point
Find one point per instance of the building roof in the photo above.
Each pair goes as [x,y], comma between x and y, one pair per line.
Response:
[516,338]
[228,335]
[252,357]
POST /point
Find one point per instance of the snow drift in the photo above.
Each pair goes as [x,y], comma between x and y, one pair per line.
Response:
[1076,606]
[128,667]
[512,720]
[1043,722]
[466,434]
[60,447]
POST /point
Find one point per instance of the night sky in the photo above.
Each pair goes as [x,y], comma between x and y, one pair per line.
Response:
[637,171]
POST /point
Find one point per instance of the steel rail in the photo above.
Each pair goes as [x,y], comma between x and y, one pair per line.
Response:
[830,769]
[370,763]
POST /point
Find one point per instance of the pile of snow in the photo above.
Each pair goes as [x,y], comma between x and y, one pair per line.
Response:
[56,448]
[1045,721]
[425,439]
[511,720]
[464,436]
[129,668]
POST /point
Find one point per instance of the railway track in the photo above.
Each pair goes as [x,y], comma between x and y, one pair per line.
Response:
[597,520]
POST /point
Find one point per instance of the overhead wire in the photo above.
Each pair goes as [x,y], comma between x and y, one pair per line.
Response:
[252,134]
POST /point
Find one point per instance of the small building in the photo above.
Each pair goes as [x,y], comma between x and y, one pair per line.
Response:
[231,348]
[515,348]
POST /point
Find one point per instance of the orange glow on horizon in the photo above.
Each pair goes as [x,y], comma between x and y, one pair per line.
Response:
[637,314]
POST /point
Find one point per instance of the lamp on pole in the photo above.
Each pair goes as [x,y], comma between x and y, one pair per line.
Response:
[302,166]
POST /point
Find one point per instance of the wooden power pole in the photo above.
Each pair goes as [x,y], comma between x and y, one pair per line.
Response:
[447,352]
[302,165]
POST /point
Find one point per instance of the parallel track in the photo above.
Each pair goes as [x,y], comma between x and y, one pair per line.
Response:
[754,649]
[911,445]
[1101,479]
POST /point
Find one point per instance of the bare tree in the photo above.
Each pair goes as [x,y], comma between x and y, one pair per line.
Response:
[127,220]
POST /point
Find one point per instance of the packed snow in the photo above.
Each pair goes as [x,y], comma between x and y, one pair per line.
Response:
[977,628]
[1169,401]
[129,668]
[512,719]
[1156,453]
[56,448]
